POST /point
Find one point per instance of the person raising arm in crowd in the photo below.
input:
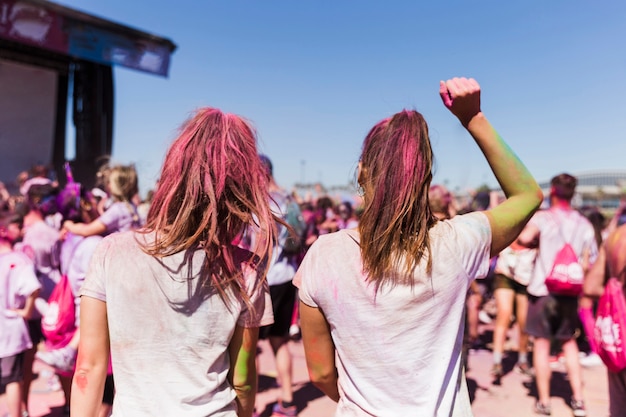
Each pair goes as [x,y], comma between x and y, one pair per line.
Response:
[388,299]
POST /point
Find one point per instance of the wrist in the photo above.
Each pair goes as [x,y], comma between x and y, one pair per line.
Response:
[474,120]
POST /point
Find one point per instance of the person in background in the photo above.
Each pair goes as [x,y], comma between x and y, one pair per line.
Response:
[599,223]
[382,307]
[197,358]
[325,216]
[611,262]
[553,316]
[441,202]
[76,204]
[19,288]
[280,274]
[39,241]
[122,215]
[39,175]
[513,270]
[346,218]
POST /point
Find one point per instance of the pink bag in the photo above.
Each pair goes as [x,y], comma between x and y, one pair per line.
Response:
[588,322]
[59,322]
[610,326]
[567,275]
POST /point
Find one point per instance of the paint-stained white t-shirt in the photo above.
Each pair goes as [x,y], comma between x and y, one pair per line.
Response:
[40,241]
[17,282]
[399,349]
[169,335]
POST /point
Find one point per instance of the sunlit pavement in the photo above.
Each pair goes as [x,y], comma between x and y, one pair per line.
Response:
[515,394]
[513,397]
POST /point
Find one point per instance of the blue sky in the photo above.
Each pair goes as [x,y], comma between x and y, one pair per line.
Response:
[314,76]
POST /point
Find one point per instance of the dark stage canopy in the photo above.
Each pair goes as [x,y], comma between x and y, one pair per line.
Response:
[47,50]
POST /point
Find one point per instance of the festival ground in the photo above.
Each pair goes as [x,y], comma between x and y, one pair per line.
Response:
[514,397]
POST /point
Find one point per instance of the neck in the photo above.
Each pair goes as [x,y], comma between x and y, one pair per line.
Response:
[32,217]
[558,203]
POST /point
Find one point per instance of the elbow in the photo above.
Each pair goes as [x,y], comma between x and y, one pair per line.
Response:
[89,370]
[321,378]
[593,291]
[245,390]
[91,365]
[327,383]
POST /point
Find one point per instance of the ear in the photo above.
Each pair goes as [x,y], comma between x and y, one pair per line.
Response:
[552,191]
[360,176]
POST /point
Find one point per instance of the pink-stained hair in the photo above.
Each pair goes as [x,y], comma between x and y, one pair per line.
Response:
[212,187]
[396,171]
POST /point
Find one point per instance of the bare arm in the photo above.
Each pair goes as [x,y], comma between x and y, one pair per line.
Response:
[243,374]
[593,286]
[319,350]
[96,227]
[93,358]
[462,97]
[610,228]
[529,237]
[29,306]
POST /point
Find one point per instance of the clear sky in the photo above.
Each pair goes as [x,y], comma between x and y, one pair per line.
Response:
[314,76]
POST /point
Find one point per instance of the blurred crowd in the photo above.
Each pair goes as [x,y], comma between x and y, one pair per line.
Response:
[55,220]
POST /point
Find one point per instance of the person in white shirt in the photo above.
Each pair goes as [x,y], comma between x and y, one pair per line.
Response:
[382,307]
[178,304]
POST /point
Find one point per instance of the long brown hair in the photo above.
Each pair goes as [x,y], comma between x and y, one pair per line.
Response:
[396,171]
[212,187]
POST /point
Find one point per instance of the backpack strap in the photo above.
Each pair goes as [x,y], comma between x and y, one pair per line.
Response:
[558,223]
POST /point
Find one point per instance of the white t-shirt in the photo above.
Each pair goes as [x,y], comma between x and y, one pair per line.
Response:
[76,253]
[169,336]
[17,282]
[282,268]
[555,227]
[41,239]
[399,349]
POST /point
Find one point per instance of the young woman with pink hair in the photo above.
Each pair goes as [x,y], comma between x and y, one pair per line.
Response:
[382,306]
[177,304]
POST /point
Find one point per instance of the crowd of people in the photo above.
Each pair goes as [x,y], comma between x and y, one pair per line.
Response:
[156,307]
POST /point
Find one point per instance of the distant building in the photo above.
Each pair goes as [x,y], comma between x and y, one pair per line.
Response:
[602,188]
[56,68]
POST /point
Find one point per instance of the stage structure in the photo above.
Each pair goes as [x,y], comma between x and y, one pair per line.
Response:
[46,52]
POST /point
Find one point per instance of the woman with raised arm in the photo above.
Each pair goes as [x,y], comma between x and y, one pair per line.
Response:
[387,299]
[177,304]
